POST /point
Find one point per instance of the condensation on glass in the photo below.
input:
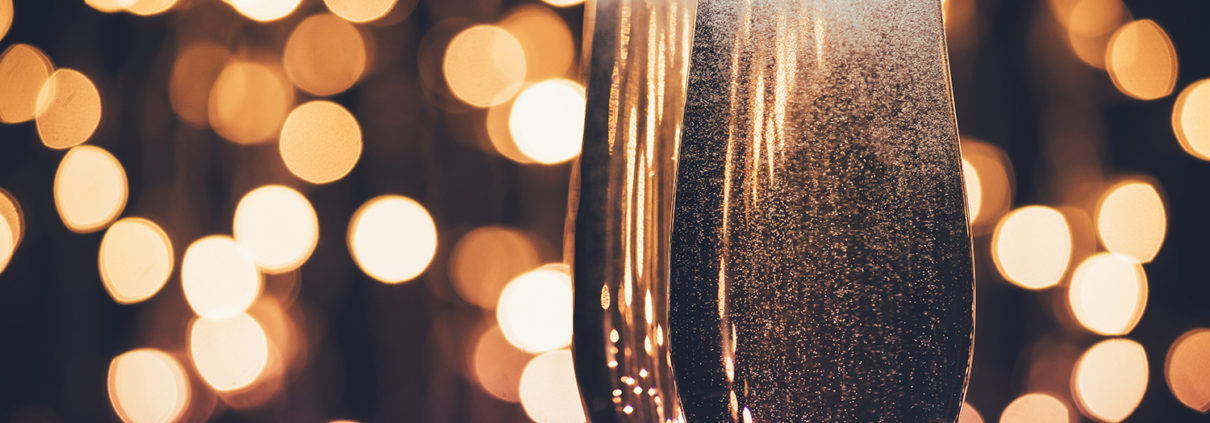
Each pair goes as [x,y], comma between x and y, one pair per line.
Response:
[621,207]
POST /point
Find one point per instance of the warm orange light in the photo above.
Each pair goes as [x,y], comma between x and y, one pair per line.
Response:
[147,386]
[1088,24]
[974,190]
[484,65]
[994,174]
[23,70]
[230,353]
[563,3]
[1108,293]
[1032,247]
[12,226]
[1131,220]
[68,109]
[534,311]
[219,277]
[547,121]
[969,414]
[194,73]
[149,7]
[360,10]
[90,189]
[107,6]
[1187,369]
[1189,120]
[278,226]
[485,259]
[1036,408]
[6,16]
[1109,379]
[548,389]
[8,242]
[498,365]
[392,238]
[545,38]
[135,260]
[324,55]
[248,102]
[1141,60]
[320,142]
[264,10]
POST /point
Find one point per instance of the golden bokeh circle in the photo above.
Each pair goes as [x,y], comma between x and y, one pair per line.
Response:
[68,109]
[320,142]
[90,188]
[324,55]
[135,259]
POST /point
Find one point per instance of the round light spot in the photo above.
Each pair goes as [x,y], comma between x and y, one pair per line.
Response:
[325,55]
[547,121]
[1141,60]
[968,414]
[498,365]
[230,353]
[320,142]
[360,10]
[484,65]
[1032,247]
[1108,293]
[392,238]
[485,259]
[974,193]
[994,175]
[1109,379]
[193,75]
[1189,119]
[278,226]
[8,242]
[1187,369]
[149,7]
[1131,220]
[219,278]
[68,109]
[147,386]
[248,102]
[135,260]
[264,10]
[23,70]
[548,389]
[545,38]
[107,6]
[563,3]
[12,226]
[90,189]
[1036,408]
[6,16]
[535,309]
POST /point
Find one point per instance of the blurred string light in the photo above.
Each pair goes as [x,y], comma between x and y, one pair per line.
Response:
[12,227]
[1109,379]
[135,259]
[90,189]
[248,102]
[324,55]
[392,238]
[968,414]
[974,190]
[498,365]
[548,389]
[1032,247]
[993,174]
[23,70]
[196,68]
[148,386]
[278,227]
[264,10]
[6,16]
[547,121]
[1187,369]
[1108,293]
[484,260]
[219,277]
[68,109]
[544,37]
[320,142]
[1131,220]
[148,7]
[106,6]
[535,309]
[8,242]
[228,353]
[484,65]
[1036,408]
[1089,25]
[1141,60]
[563,3]
[1189,119]
[359,11]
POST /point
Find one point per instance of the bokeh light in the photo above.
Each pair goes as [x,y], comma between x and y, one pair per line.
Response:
[563,3]
[1090,23]
[12,227]
[534,311]
[1131,220]
[248,102]
[90,188]
[148,7]
[994,174]
[1036,408]
[228,353]
[193,74]
[1032,247]
[1189,120]
[219,277]
[106,6]
[23,70]
[1109,380]
[324,55]
[548,389]
[968,414]
[68,109]
[264,10]
[547,121]
[278,227]
[545,38]
[148,386]
[320,142]
[135,259]
[1141,60]
[6,16]
[498,365]
[974,190]
[8,242]
[1187,369]
[484,65]
[1108,293]
[485,259]
[392,238]
[360,10]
